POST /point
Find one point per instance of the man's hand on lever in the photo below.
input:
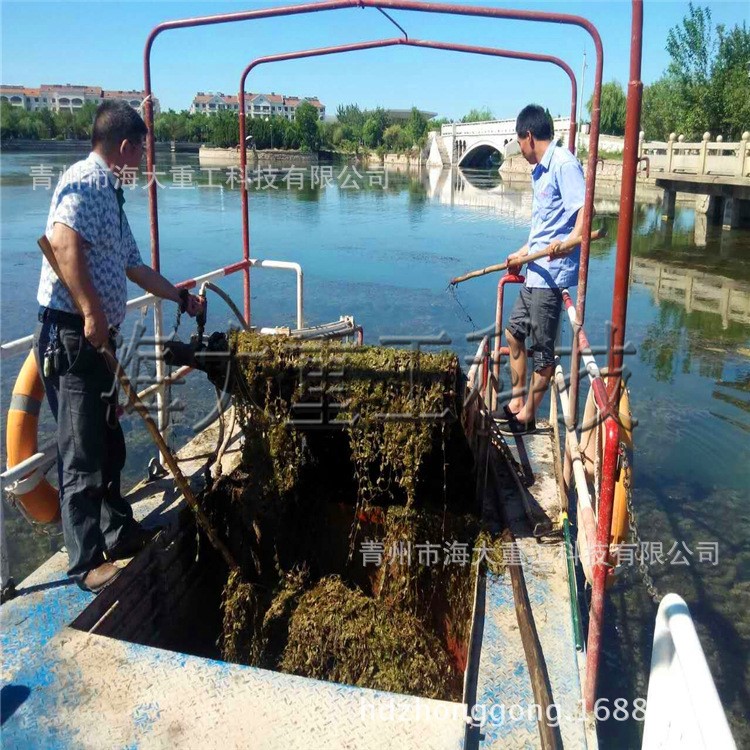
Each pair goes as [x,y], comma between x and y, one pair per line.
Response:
[192,304]
[96,328]
[515,262]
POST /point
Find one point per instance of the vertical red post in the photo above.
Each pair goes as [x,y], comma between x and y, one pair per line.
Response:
[627,196]
[498,349]
[601,552]
[588,215]
[244,202]
[573,115]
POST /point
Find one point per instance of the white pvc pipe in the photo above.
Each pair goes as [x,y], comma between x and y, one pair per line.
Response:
[588,358]
[683,708]
[474,369]
[40,462]
[22,345]
[286,265]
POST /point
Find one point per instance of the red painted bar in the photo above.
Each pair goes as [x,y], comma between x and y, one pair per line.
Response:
[627,195]
[601,562]
[234,267]
[500,351]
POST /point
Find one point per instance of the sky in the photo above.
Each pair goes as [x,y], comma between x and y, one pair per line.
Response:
[101,44]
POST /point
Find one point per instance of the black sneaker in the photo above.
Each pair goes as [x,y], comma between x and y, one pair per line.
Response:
[514,428]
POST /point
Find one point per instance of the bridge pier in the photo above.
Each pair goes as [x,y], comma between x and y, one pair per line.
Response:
[732,213]
[668,205]
[727,199]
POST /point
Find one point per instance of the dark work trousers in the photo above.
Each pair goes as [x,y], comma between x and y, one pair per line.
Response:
[90,445]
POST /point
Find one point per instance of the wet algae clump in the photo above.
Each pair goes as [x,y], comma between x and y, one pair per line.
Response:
[387,469]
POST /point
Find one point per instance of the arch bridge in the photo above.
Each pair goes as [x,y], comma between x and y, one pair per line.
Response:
[472,144]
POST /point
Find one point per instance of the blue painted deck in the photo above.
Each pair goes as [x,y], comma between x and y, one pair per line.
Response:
[67,688]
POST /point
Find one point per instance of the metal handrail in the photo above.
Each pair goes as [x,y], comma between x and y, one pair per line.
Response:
[23,344]
[682,705]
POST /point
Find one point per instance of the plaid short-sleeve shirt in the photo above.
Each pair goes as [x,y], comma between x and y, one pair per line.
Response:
[86,200]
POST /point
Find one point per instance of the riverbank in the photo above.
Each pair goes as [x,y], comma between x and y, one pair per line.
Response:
[224,157]
[73,145]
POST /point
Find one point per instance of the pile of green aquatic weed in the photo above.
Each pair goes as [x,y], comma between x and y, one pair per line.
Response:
[392,467]
[340,634]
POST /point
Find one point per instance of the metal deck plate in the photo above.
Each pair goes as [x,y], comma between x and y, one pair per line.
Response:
[91,691]
[503,680]
[65,688]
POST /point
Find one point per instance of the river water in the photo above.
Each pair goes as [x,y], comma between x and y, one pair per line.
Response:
[383,249]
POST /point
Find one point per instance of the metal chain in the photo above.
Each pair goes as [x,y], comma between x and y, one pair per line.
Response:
[648,581]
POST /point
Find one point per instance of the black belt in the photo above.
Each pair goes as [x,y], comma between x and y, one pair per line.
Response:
[61,318]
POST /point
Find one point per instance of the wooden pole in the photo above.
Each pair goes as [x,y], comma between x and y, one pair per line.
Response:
[566,245]
[550,736]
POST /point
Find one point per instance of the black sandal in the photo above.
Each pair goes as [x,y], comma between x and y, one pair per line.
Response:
[514,428]
[505,416]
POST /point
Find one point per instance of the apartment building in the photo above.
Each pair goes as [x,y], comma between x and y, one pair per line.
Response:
[60,98]
[256,105]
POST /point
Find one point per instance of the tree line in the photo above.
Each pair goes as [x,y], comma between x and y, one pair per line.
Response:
[705,88]
[355,129]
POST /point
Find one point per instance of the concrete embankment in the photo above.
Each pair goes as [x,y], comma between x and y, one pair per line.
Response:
[608,177]
[397,160]
[224,157]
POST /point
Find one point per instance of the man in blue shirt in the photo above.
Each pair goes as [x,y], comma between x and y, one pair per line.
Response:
[558,185]
[96,254]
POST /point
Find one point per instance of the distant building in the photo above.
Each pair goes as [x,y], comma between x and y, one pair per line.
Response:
[256,105]
[67,98]
[402,115]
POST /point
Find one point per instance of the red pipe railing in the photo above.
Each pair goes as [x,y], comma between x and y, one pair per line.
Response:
[407,5]
[361,46]
[499,350]
[630,160]
[599,547]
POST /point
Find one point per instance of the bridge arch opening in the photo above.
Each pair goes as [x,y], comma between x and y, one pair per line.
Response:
[481,156]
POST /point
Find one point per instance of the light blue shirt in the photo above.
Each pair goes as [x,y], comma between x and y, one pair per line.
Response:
[559,191]
[85,199]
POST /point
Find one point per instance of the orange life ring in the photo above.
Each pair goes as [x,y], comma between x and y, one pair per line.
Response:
[591,432]
[37,497]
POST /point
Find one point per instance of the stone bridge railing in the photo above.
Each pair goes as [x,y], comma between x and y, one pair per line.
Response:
[489,128]
[706,158]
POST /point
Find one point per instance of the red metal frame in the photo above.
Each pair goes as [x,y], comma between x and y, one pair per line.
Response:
[598,548]
[627,199]
[627,194]
[499,350]
[407,5]
[376,44]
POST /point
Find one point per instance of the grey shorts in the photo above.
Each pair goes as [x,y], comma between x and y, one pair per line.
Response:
[536,315]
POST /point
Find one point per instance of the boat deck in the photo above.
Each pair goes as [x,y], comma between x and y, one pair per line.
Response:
[69,687]
[78,670]
[529,504]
